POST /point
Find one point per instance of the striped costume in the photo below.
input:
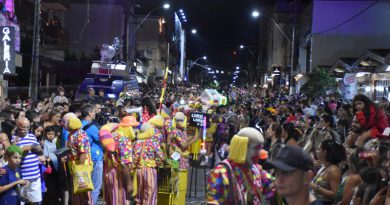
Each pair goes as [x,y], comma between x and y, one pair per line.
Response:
[114,182]
[148,155]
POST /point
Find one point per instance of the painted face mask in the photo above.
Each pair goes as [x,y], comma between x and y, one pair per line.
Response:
[179,123]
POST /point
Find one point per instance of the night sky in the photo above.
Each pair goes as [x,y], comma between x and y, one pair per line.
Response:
[222,26]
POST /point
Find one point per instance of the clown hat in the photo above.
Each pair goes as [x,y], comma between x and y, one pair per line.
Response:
[129,121]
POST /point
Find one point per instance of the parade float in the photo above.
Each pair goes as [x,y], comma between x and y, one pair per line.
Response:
[110,75]
[212,97]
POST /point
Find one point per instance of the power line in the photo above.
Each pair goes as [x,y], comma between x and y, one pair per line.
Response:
[348,20]
[85,23]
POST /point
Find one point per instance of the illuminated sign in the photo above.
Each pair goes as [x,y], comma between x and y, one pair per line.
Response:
[7,50]
[197,119]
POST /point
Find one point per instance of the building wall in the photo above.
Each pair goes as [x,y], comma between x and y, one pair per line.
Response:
[337,33]
[278,47]
[105,23]
[150,41]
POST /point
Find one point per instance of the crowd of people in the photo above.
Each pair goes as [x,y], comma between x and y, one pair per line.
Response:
[262,146]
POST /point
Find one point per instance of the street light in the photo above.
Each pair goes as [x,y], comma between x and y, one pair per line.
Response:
[127,33]
[169,48]
[165,6]
[194,31]
[256,14]
[250,51]
[237,68]
[195,63]
[292,40]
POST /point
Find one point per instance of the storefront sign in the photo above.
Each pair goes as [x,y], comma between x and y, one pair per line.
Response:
[349,86]
[5,21]
[349,79]
[197,119]
[7,50]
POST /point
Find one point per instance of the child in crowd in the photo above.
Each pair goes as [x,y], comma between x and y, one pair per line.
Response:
[60,97]
[3,163]
[45,169]
[10,182]
[51,178]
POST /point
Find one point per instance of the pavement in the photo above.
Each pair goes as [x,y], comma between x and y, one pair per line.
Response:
[199,176]
[197,195]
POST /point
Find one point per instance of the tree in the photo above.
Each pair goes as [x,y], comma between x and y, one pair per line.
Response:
[320,81]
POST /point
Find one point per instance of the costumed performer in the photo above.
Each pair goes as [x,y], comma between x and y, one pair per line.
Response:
[239,180]
[80,147]
[118,161]
[148,155]
[178,139]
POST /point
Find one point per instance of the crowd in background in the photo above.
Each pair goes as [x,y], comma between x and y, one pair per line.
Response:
[348,142]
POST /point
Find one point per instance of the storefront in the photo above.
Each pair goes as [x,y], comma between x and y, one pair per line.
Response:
[369,75]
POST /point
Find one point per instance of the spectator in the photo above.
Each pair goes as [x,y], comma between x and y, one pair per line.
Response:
[91,95]
[366,191]
[8,127]
[29,165]
[19,113]
[244,117]
[88,116]
[351,180]
[290,134]
[375,120]
[321,132]
[54,120]
[10,181]
[52,180]
[293,173]
[328,178]
[37,129]
[100,98]
[60,97]
[274,132]
[345,120]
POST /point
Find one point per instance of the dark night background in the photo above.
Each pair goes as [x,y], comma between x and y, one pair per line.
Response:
[222,26]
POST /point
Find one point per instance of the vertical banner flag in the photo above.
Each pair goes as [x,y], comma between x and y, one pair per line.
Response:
[7,50]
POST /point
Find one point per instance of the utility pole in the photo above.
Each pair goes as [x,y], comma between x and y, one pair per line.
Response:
[292,80]
[129,21]
[34,71]
[125,48]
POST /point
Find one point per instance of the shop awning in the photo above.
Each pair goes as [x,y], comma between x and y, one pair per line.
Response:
[372,60]
[342,65]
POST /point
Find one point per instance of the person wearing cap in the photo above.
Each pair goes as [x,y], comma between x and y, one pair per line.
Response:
[88,116]
[80,147]
[148,155]
[118,172]
[293,175]
[239,180]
